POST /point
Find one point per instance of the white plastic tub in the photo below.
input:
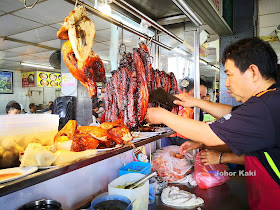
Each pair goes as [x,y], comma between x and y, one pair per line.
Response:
[139,196]
[17,131]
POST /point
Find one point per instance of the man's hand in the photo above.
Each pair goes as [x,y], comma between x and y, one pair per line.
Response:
[155,115]
[186,100]
[210,157]
[188,146]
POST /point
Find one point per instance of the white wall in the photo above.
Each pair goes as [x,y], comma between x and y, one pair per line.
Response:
[21,95]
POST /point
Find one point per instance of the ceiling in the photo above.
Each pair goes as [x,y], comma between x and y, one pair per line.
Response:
[25,27]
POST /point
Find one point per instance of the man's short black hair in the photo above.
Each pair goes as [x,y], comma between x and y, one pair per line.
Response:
[248,51]
[15,105]
[31,105]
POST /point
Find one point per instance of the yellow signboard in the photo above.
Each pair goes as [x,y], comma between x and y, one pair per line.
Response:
[48,79]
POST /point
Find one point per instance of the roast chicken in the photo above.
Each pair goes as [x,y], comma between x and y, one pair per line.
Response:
[84,64]
[127,93]
[109,134]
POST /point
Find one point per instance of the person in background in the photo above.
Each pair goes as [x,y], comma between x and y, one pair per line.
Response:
[8,105]
[187,87]
[95,118]
[22,109]
[251,128]
[217,96]
[207,97]
[14,109]
[101,109]
[48,106]
[32,108]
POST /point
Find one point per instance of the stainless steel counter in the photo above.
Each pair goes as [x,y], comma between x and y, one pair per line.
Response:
[75,184]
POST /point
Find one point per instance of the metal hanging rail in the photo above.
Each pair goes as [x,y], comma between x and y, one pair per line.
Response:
[123,4]
[187,11]
[117,23]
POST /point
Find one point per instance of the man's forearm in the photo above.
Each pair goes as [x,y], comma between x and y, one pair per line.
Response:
[215,109]
[192,129]
[221,148]
[233,158]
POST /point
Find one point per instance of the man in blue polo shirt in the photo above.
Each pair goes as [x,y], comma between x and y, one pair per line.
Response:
[252,129]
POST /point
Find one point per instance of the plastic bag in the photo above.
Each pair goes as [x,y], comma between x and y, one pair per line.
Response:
[209,176]
[170,165]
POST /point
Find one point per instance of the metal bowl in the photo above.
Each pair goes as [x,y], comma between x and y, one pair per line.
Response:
[42,204]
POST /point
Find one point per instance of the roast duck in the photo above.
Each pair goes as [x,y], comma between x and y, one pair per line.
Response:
[77,139]
[84,64]
[127,93]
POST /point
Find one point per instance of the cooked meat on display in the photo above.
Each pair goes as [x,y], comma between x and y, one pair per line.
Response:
[82,62]
[127,93]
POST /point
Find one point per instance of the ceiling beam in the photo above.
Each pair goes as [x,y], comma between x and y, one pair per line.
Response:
[28,43]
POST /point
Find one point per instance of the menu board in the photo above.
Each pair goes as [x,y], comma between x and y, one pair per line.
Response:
[28,79]
[48,79]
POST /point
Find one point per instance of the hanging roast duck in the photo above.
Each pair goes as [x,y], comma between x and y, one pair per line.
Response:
[82,62]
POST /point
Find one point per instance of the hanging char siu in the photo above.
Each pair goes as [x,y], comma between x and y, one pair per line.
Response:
[127,93]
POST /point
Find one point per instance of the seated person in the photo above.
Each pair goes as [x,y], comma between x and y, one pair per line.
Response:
[14,109]
[22,109]
[32,108]
[48,106]
[50,109]
[95,118]
[101,110]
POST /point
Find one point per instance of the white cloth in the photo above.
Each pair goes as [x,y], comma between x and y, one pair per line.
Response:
[173,196]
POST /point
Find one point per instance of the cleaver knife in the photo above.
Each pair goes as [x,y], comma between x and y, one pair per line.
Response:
[164,98]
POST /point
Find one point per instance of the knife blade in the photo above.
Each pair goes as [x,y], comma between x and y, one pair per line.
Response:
[164,98]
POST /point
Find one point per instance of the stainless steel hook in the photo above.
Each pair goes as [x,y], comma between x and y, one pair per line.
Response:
[29,7]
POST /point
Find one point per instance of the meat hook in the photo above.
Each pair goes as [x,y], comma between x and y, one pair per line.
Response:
[29,7]
[122,44]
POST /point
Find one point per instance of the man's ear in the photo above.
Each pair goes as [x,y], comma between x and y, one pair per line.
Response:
[255,72]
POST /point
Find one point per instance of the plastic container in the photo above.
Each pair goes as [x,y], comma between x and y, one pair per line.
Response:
[136,167]
[111,198]
[138,196]
[20,124]
[17,131]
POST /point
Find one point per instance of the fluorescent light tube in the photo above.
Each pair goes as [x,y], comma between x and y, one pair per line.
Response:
[36,65]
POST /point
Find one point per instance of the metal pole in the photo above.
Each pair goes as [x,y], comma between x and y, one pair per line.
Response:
[196,71]
[117,23]
[181,4]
